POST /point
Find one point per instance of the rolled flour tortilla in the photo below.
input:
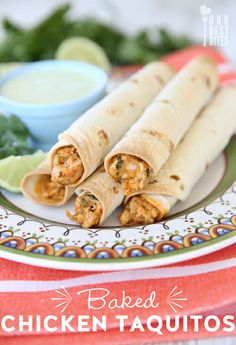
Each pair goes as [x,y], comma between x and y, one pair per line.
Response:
[97,198]
[84,145]
[37,186]
[203,142]
[150,141]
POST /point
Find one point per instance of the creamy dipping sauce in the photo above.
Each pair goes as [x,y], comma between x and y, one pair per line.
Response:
[48,86]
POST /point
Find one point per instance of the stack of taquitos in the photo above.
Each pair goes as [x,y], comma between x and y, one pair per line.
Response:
[206,138]
[96,197]
[99,195]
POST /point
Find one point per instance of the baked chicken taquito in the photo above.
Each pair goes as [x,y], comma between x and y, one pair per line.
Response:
[151,140]
[203,142]
[37,186]
[84,145]
[97,198]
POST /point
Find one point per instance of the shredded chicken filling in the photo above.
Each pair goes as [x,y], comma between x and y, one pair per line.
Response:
[67,166]
[88,211]
[130,171]
[139,211]
[49,190]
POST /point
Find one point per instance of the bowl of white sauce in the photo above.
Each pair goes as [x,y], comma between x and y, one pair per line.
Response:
[49,95]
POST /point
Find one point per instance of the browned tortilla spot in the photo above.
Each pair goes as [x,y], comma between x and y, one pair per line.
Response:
[103,136]
[159,79]
[208,81]
[135,81]
[182,187]
[102,169]
[193,79]
[115,190]
[162,137]
[131,104]
[153,182]
[175,177]
[165,101]
[113,111]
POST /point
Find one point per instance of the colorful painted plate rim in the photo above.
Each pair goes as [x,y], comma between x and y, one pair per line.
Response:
[109,264]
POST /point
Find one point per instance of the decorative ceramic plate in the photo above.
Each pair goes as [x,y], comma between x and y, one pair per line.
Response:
[204,223]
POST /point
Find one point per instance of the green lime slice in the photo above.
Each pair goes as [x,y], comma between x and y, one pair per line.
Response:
[14,168]
[8,67]
[83,49]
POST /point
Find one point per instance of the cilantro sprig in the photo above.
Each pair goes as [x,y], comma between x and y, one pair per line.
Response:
[14,137]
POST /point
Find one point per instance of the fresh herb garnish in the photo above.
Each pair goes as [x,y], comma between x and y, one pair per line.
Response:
[13,137]
[41,42]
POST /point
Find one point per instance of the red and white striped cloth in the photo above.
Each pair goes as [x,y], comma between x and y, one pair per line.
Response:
[207,285]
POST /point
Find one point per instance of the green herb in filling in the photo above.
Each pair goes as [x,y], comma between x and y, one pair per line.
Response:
[56,160]
[92,197]
[83,202]
[119,163]
[148,172]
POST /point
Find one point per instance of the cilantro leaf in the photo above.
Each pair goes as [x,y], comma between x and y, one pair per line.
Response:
[14,137]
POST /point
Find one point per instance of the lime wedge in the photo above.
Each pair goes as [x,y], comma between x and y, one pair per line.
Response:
[83,49]
[14,168]
[8,67]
